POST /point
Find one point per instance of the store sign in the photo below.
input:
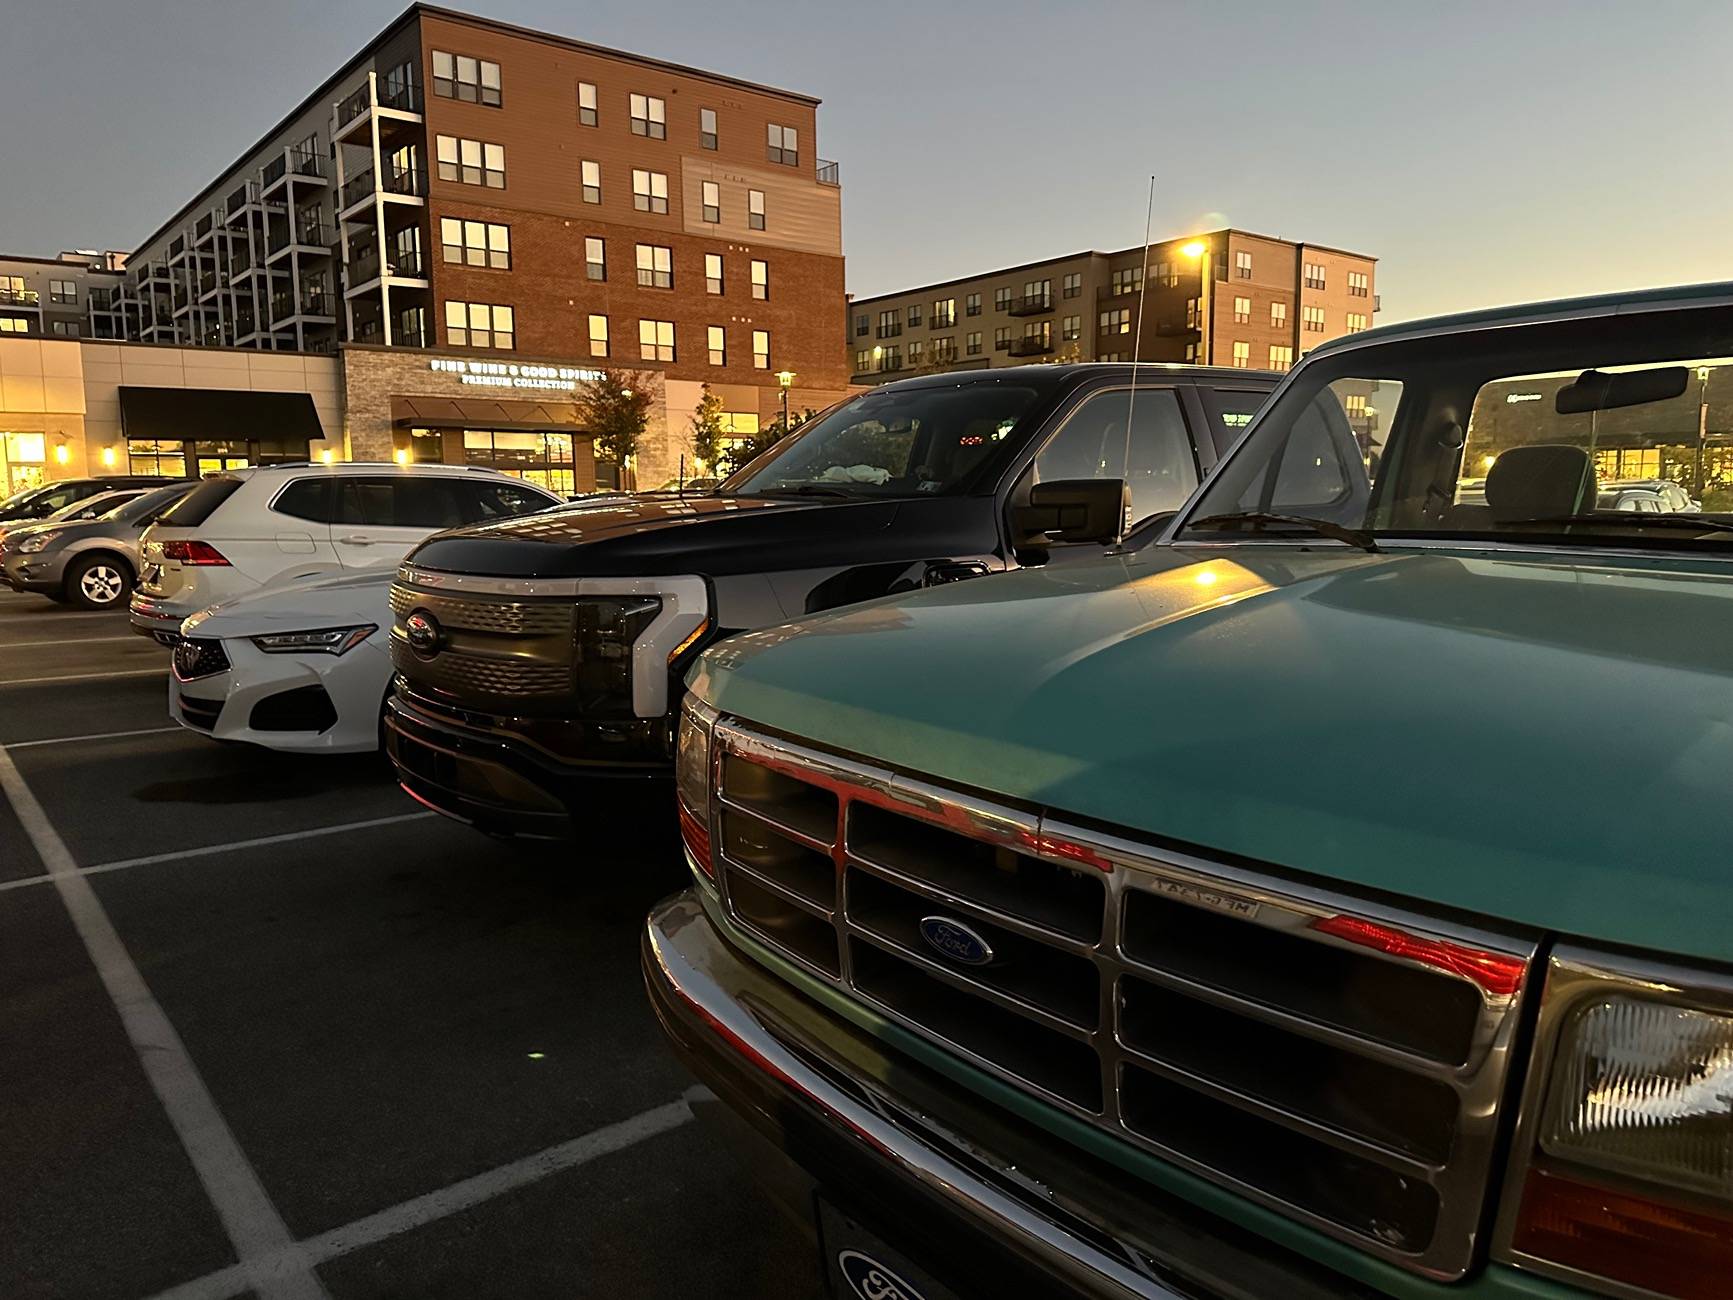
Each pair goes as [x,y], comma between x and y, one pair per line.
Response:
[503,374]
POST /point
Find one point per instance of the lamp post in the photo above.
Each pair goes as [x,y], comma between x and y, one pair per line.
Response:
[1198,250]
[785,378]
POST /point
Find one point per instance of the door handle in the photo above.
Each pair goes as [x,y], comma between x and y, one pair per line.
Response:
[356,539]
[939,574]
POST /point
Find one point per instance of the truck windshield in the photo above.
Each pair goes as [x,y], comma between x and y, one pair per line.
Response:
[900,442]
[1610,431]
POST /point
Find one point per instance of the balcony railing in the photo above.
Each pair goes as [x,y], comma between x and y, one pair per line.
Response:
[1031,347]
[356,188]
[316,233]
[20,298]
[315,301]
[402,96]
[1030,304]
[828,172]
[408,180]
[891,331]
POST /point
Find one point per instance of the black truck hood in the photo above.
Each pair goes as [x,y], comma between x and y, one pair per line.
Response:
[649,535]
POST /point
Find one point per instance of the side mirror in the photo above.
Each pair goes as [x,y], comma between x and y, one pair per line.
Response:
[1072,510]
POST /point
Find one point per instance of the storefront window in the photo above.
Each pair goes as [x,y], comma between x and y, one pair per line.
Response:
[154,456]
[21,459]
[544,459]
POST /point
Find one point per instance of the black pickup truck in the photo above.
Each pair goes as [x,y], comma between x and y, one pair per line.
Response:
[540,660]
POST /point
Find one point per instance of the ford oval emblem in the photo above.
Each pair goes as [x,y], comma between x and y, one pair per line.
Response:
[422,632]
[953,939]
[871,1280]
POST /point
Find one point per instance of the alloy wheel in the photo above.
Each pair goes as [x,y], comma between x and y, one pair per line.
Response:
[102,584]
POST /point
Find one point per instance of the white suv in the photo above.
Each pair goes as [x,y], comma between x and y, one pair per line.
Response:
[243,528]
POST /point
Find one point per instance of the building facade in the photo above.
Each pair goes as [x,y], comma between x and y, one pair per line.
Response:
[525,208]
[1228,298]
[75,295]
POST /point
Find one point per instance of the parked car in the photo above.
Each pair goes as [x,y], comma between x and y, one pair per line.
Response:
[89,508]
[1263,911]
[43,500]
[88,562]
[540,661]
[695,486]
[242,528]
[301,663]
[1653,496]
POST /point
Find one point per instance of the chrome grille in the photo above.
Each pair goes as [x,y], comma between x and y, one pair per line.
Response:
[1331,1057]
[505,617]
[493,651]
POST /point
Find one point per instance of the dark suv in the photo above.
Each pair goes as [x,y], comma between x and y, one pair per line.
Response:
[43,500]
[540,659]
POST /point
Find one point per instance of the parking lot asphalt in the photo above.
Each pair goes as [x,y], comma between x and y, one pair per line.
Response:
[268,1028]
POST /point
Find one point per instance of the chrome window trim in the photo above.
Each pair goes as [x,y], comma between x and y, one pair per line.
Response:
[1463,1183]
[1397,543]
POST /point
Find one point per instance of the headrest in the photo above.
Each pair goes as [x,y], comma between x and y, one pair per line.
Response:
[1540,482]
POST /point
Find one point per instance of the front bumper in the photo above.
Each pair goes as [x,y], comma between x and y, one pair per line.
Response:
[39,572]
[259,693]
[157,618]
[505,787]
[986,1206]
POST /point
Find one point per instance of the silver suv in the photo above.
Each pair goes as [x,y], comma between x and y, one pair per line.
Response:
[91,563]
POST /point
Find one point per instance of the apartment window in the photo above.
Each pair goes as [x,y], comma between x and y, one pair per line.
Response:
[707,128]
[471,162]
[944,350]
[1002,299]
[944,313]
[1281,356]
[1312,319]
[1116,321]
[712,201]
[649,117]
[862,361]
[915,352]
[1242,311]
[1242,355]
[972,343]
[718,345]
[1002,338]
[1128,280]
[1243,264]
[761,280]
[972,305]
[649,191]
[1166,275]
[1314,275]
[1039,332]
[761,349]
[1071,328]
[1359,284]
[475,243]
[1278,315]
[1356,321]
[14,325]
[914,314]
[595,258]
[656,340]
[890,358]
[66,329]
[1038,291]
[655,267]
[591,172]
[713,284]
[587,107]
[1194,313]
[459,76]
[479,325]
[784,145]
[862,327]
[1072,285]
[598,336]
[62,291]
[890,324]
[755,209]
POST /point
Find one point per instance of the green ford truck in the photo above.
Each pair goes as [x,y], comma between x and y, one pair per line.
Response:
[1328,893]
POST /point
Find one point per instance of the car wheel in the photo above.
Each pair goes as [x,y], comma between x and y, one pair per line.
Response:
[98,583]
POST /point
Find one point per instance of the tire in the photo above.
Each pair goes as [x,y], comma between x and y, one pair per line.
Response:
[98,582]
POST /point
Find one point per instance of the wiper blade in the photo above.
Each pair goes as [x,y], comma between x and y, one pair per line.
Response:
[1258,518]
[1664,519]
[802,490]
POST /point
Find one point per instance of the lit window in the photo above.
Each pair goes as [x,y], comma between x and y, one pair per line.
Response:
[479,325]
[890,324]
[707,128]
[1314,275]
[718,345]
[784,145]
[475,243]
[713,276]
[598,336]
[649,191]
[655,266]
[1243,265]
[1278,315]
[1242,356]
[1242,311]
[761,349]
[755,209]
[649,117]
[592,174]
[1116,321]
[944,350]
[1071,328]
[587,106]
[493,162]
[761,280]
[862,361]
[1127,280]
[712,200]
[1356,321]
[944,313]
[1312,319]
[475,81]
[1359,284]
[1281,356]
[656,340]
[595,258]
[471,162]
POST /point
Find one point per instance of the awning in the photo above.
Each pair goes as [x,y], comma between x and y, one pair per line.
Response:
[200,414]
[481,413]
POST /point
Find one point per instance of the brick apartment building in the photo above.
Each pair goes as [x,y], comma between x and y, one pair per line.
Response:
[1227,298]
[472,217]
[75,295]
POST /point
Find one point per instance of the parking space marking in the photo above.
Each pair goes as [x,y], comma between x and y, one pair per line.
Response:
[254,1227]
[450,1200]
[158,671]
[77,640]
[209,850]
[95,735]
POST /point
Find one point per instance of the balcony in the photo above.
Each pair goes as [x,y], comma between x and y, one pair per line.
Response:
[315,302]
[395,97]
[28,299]
[829,173]
[292,164]
[891,331]
[1030,304]
[1031,347]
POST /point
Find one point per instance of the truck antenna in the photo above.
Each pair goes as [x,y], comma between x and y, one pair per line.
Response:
[1137,338]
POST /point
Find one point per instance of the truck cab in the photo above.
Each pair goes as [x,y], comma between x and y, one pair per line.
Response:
[540,662]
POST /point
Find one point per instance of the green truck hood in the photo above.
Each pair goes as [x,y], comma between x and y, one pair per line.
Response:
[1546,740]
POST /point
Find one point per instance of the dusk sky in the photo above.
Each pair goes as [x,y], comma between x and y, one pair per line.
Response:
[1484,152]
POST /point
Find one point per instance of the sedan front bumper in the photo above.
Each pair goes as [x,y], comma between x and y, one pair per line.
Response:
[304,702]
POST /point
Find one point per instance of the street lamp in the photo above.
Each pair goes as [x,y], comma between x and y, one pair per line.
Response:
[1198,251]
[785,379]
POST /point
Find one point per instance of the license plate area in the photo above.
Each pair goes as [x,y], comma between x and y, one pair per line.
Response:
[860,1265]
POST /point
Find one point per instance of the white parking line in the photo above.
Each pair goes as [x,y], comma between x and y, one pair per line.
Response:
[77,640]
[447,1201]
[95,735]
[160,671]
[254,1227]
[207,850]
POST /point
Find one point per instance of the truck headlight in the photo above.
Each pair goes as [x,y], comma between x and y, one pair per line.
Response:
[328,641]
[35,542]
[608,627]
[692,781]
[1629,1170]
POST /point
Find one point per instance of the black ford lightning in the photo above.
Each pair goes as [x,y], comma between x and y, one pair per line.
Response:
[539,660]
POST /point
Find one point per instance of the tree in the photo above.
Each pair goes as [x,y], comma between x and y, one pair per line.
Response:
[614,408]
[707,432]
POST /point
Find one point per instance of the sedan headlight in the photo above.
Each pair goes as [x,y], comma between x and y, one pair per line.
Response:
[35,542]
[328,641]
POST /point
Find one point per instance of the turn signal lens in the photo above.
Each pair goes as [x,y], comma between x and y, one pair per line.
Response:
[692,781]
[193,552]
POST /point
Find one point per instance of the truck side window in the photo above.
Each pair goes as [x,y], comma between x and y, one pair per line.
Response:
[1092,444]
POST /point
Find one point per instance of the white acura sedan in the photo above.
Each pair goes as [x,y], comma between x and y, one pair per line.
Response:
[303,663]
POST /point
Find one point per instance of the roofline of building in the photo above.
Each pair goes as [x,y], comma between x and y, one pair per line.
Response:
[411,14]
[1096,252]
[59,261]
